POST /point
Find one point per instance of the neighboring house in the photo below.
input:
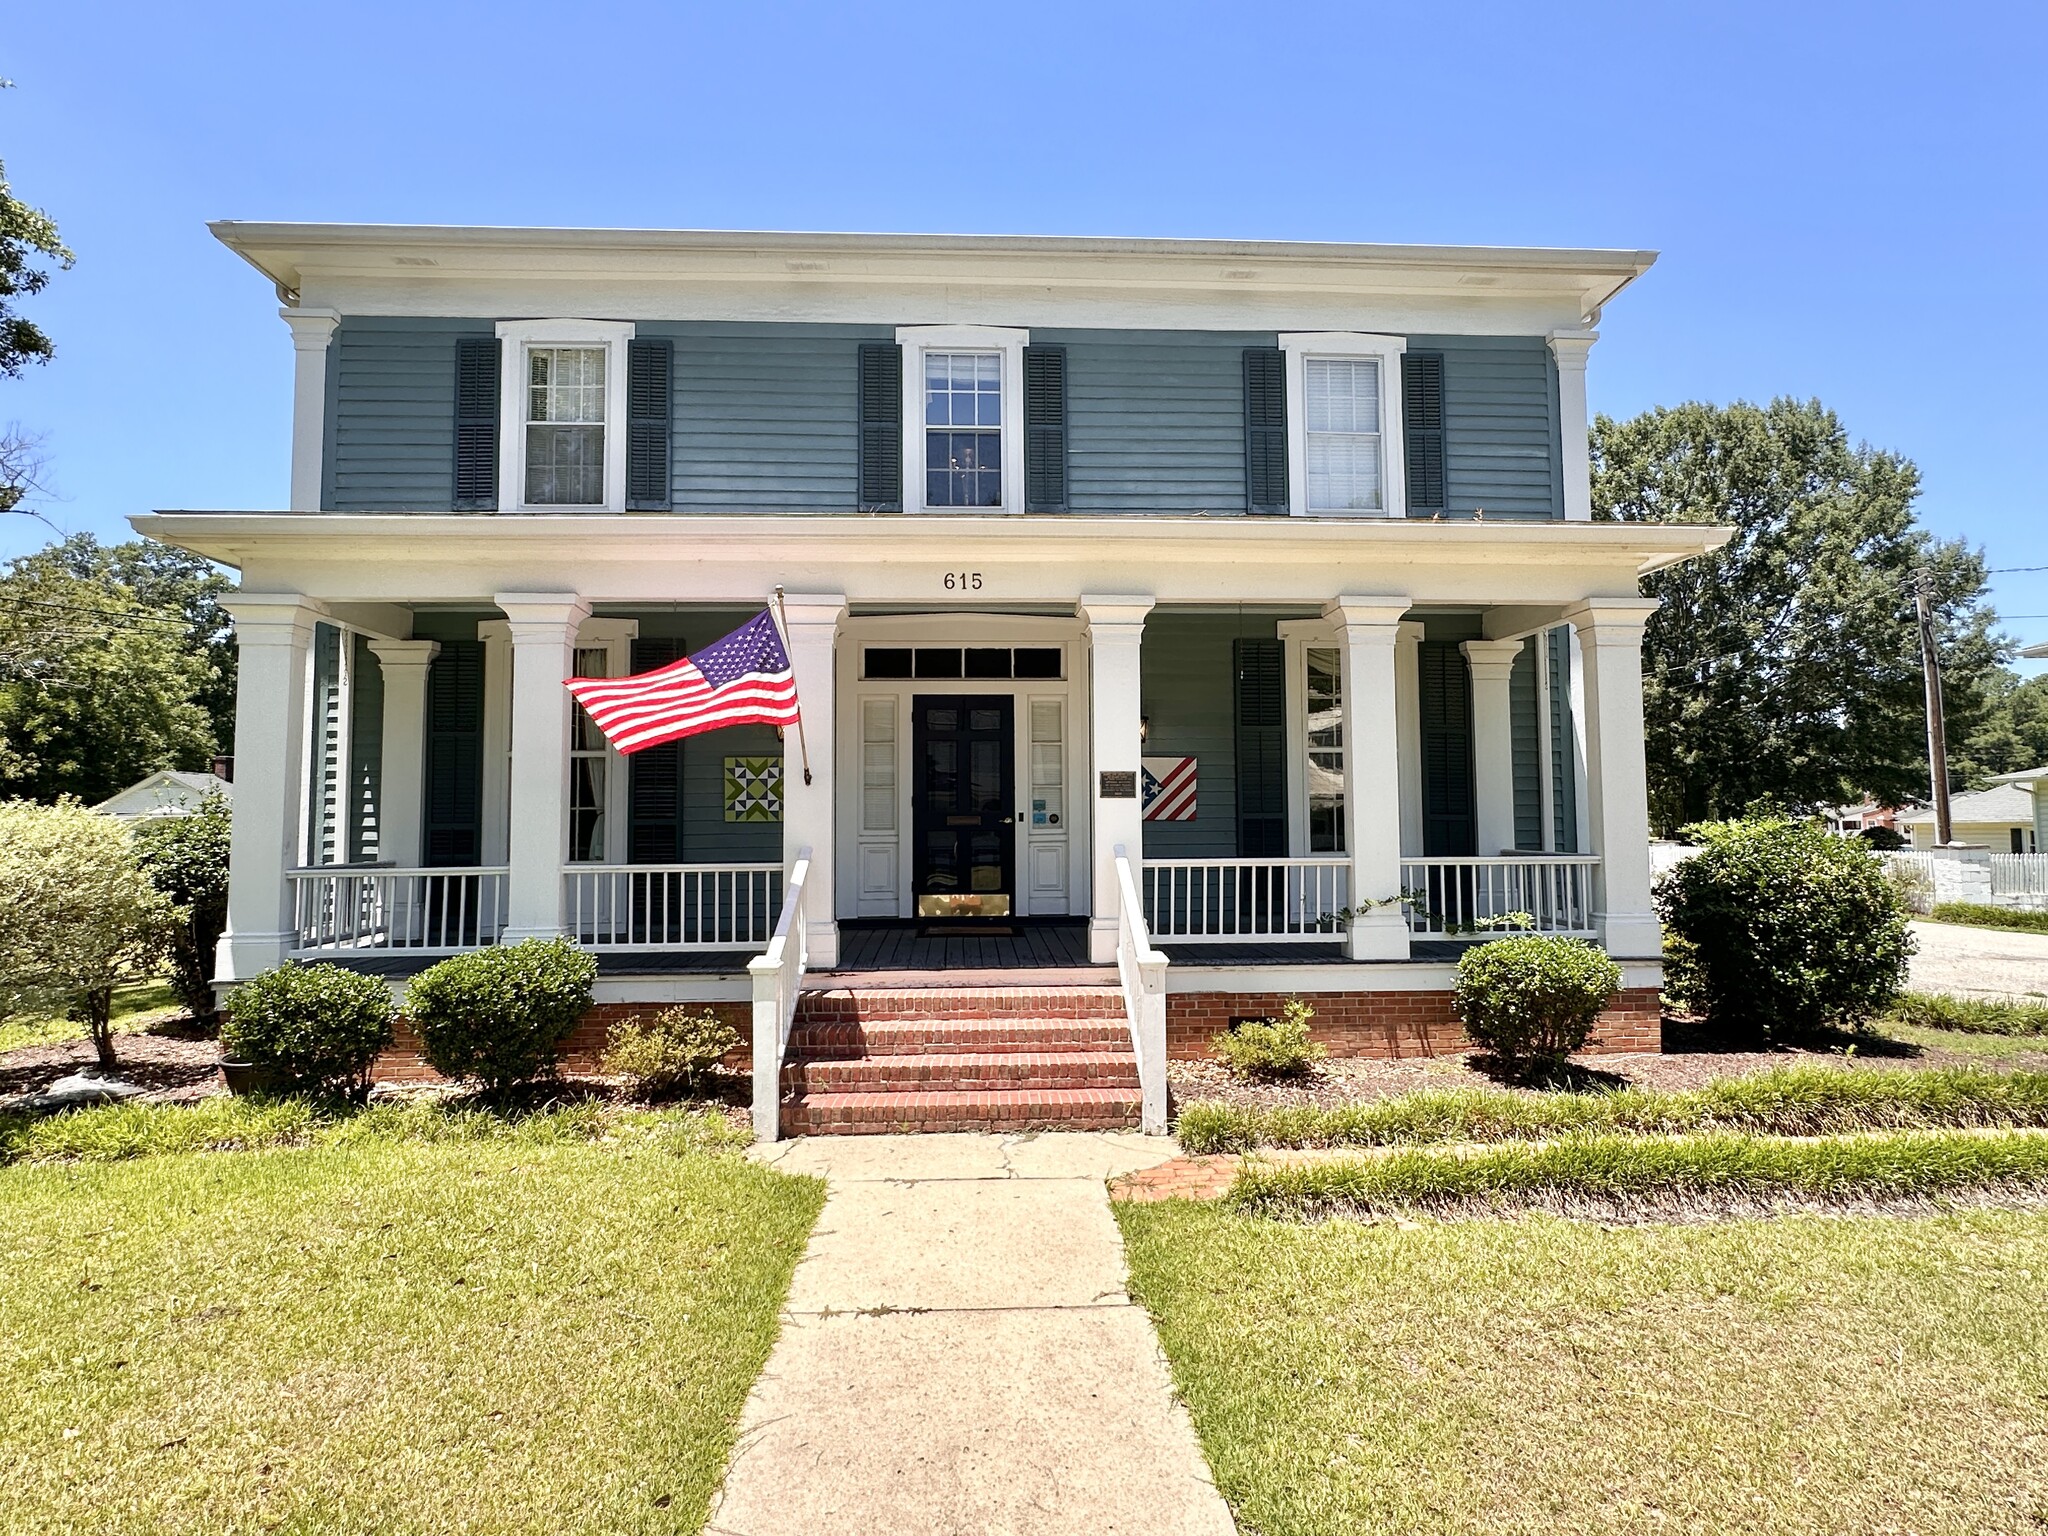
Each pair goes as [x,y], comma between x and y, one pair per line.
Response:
[1850,820]
[1191,593]
[169,793]
[2000,818]
[2033,783]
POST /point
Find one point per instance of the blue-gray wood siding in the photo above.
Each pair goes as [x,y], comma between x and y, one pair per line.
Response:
[766,419]
[1185,691]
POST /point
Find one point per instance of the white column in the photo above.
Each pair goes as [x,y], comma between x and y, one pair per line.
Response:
[811,628]
[1408,732]
[401,782]
[1570,347]
[1610,633]
[543,626]
[273,637]
[1116,628]
[1371,629]
[1491,664]
[312,330]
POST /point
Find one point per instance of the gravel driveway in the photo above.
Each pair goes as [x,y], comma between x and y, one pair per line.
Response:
[1980,962]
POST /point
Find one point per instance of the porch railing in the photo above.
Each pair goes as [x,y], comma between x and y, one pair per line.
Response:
[777,976]
[671,906]
[380,907]
[1240,901]
[1141,972]
[1458,897]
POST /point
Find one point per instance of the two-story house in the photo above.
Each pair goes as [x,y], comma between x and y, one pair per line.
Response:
[1178,626]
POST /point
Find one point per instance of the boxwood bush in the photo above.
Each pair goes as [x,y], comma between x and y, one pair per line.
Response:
[1782,927]
[497,1017]
[1533,998]
[1259,1048]
[668,1050]
[313,1028]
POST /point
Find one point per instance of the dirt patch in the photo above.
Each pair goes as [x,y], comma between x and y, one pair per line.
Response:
[175,1062]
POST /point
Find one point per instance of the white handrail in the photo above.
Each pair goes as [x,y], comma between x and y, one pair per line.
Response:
[1141,970]
[777,977]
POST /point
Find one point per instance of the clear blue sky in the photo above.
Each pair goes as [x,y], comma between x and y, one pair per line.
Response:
[1849,198]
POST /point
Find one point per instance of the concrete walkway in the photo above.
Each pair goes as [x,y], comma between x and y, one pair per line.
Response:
[1980,962]
[958,1354]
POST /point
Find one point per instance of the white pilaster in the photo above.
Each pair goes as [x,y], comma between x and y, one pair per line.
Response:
[312,330]
[273,636]
[543,628]
[1491,664]
[1370,632]
[1408,732]
[1610,631]
[810,631]
[401,782]
[1570,347]
[1116,629]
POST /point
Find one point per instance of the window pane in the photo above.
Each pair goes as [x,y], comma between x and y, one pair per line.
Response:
[564,466]
[988,661]
[1343,472]
[936,661]
[963,469]
[565,384]
[888,661]
[1342,433]
[1325,732]
[963,390]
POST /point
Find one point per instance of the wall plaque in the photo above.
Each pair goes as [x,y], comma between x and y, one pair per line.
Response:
[1119,784]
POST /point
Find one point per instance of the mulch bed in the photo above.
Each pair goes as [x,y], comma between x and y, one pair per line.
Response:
[174,1062]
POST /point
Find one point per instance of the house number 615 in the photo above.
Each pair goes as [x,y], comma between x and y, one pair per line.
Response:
[963,581]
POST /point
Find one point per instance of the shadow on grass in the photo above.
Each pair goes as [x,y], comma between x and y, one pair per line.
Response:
[1685,1035]
[1546,1076]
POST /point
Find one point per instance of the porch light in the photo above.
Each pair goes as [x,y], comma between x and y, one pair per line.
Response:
[1144,729]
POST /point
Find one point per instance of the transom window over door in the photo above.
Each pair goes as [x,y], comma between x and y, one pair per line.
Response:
[1343,434]
[963,414]
[565,426]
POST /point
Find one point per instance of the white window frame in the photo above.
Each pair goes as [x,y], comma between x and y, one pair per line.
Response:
[916,341]
[1347,346]
[1298,637]
[517,337]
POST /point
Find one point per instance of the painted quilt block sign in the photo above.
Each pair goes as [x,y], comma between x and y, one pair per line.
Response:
[1169,789]
[753,789]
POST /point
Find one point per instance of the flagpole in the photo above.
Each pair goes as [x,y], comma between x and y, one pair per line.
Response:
[803,746]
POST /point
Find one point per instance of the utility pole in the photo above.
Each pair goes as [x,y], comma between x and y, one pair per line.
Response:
[1937,733]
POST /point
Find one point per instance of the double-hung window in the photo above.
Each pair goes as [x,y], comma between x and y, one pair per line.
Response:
[564,395]
[963,443]
[1344,398]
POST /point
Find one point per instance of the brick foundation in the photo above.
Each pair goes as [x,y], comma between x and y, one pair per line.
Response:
[401,1061]
[1386,1024]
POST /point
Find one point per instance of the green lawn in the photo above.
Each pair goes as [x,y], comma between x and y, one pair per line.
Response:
[1808,1374]
[134,1007]
[388,1336]
[1987,1048]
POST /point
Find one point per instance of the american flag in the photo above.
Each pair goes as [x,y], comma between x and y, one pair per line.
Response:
[1169,789]
[743,679]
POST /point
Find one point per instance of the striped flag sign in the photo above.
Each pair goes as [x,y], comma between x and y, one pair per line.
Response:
[1169,789]
[744,679]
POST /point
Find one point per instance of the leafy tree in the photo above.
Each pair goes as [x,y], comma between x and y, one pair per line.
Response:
[97,689]
[25,234]
[2013,733]
[1785,668]
[78,917]
[186,858]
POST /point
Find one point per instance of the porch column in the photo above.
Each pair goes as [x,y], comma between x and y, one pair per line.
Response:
[809,817]
[1116,627]
[401,782]
[543,627]
[1408,732]
[1372,771]
[1492,663]
[1610,631]
[273,636]
[1569,348]
[312,330]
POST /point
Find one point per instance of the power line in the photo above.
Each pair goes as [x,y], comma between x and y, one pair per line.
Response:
[2014,570]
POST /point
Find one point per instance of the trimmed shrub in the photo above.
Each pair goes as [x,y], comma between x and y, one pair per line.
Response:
[1975,914]
[1970,1015]
[498,1017]
[1882,839]
[1533,998]
[668,1050]
[1281,1047]
[186,858]
[1782,926]
[312,1027]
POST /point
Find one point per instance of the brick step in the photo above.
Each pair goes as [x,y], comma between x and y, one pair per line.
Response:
[956,1037]
[1037,1109]
[862,1005]
[1006,1072]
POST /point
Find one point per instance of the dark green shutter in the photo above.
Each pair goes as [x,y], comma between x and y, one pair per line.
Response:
[649,371]
[476,423]
[1259,667]
[1045,429]
[1525,751]
[365,753]
[1448,829]
[327,774]
[654,787]
[881,427]
[1422,424]
[1265,430]
[455,755]
[1563,793]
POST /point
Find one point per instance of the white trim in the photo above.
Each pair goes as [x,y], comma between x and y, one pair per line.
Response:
[312,333]
[1569,349]
[517,336]
[1300,346]
[916,340]
[614,637]
[1297,636]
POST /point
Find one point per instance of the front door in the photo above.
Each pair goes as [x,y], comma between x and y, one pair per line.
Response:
[964,820]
